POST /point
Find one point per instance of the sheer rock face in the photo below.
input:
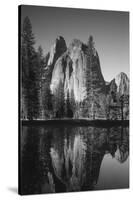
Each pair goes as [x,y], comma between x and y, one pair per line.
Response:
[120,84]
[70,69]
[82,80]
[118,92]
[57,49]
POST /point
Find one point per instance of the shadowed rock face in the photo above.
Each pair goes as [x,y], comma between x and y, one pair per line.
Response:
[57,49]
[70,69]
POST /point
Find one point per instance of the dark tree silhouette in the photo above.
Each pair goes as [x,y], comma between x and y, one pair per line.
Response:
[30,72]
[124,99]
[89,65]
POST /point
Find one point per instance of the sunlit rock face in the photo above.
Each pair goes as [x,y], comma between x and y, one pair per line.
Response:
[70,69]
[118,90]
[122,83]
[81,80]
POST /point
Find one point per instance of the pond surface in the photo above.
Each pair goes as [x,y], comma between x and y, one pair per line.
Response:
[73,158]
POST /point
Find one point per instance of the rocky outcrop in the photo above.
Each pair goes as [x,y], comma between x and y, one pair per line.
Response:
[56,50]
[120,84]
[70,69]
[118,97]
[75,77]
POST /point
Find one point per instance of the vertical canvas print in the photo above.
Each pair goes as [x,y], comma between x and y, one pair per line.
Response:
[73,100]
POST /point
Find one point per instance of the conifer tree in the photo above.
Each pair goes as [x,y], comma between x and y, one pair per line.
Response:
[89,74]
[29,71]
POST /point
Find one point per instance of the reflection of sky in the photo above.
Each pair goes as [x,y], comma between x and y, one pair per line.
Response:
[113,174]
[110,31]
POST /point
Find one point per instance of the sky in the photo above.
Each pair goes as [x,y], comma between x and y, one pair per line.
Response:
[110,30]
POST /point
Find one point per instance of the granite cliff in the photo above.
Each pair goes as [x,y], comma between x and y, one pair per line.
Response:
[119,84]
[70,69]
[77,84]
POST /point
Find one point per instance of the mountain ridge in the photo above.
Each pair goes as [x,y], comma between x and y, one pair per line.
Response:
[60,45]
[71,70]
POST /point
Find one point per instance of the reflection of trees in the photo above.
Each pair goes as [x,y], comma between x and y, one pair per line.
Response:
[94,154]
[118,143]
[35,162]
[37,172]
[30,172]
[122,151]
[77,154]
[68,158]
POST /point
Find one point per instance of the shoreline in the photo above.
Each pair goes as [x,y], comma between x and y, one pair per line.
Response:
[75,122]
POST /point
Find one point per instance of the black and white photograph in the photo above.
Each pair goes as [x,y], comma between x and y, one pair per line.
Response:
[73,100]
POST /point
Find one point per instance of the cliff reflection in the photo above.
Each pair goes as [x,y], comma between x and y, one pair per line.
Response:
[63,159]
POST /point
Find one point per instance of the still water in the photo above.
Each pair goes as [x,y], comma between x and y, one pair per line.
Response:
[71,158]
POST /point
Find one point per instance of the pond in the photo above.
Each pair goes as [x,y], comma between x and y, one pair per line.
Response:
[73,158]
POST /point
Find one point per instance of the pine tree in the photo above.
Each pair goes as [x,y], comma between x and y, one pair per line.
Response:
[29,71]
[89,65]
[124,100]
[89,74]
[41,66]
